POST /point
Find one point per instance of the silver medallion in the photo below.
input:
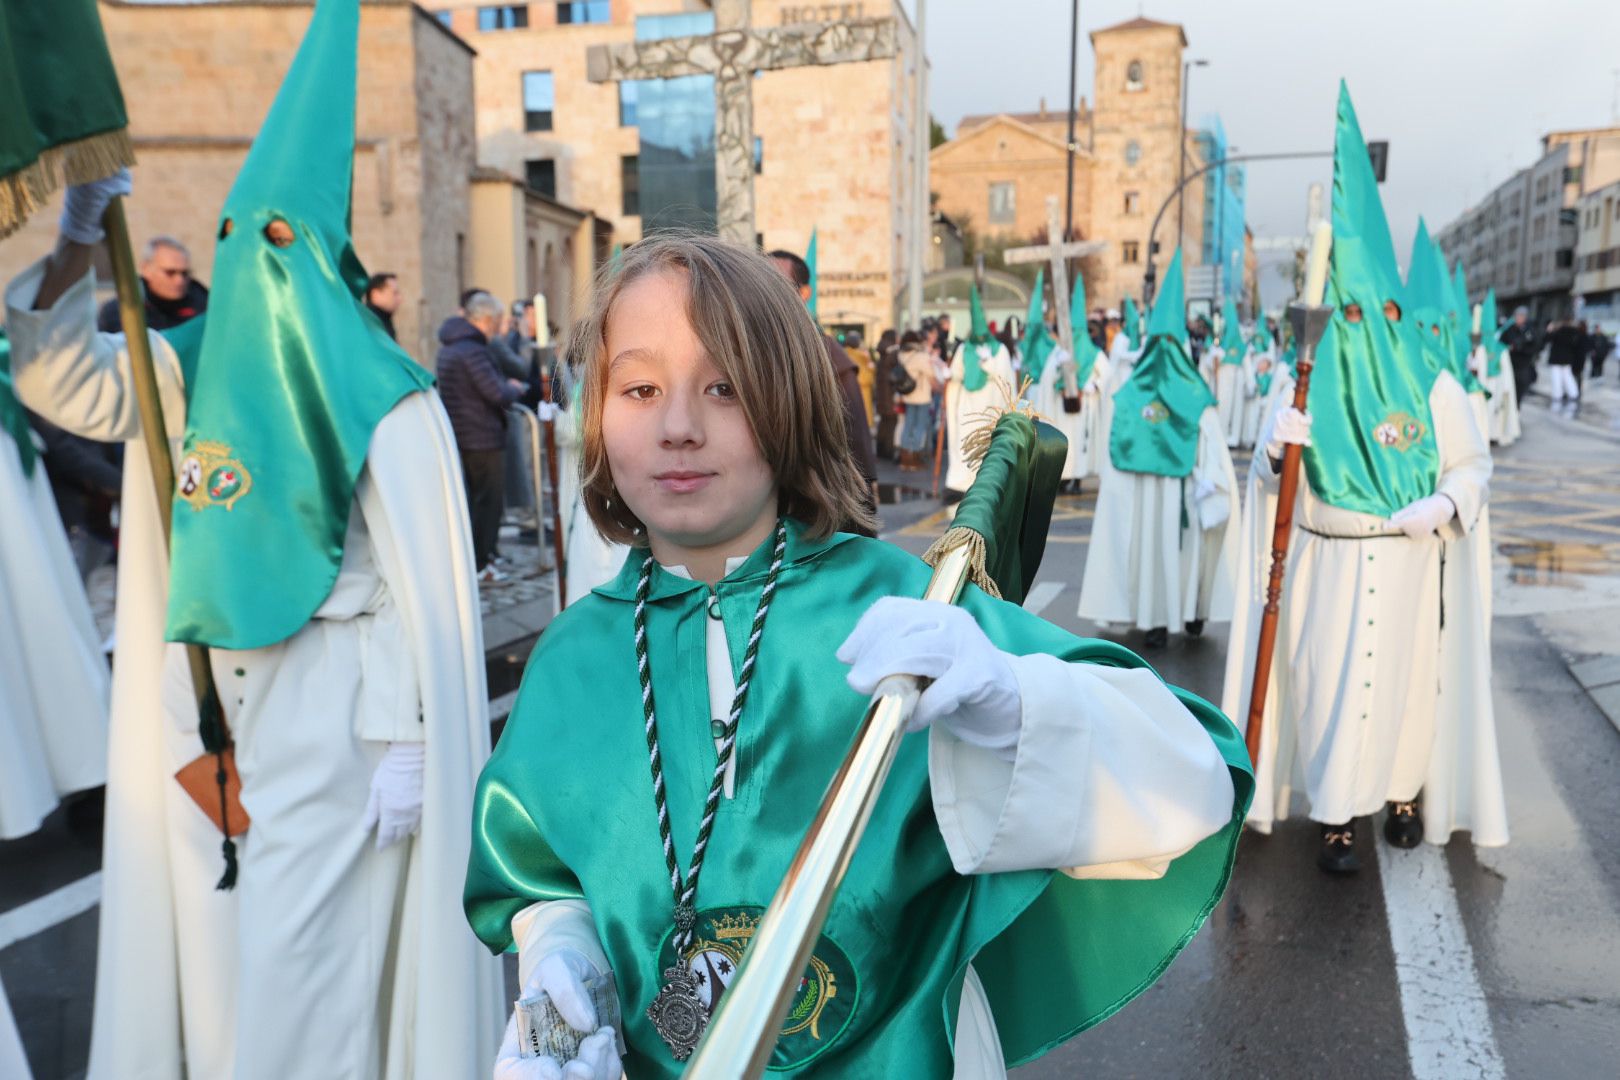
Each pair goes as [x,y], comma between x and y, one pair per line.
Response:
[677,1013]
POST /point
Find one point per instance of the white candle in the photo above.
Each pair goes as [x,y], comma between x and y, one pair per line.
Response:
[542,327]
[1476,318]
[1317,267]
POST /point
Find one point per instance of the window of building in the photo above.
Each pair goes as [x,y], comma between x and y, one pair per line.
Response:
[627,103]
[1003,203]
[1565,259]
[1133,75]
[443,17]
[1535,264]
[541,176]
[1513,237]
[1133,202]
[1130,252]
[1133,152]
[573,12]
[1572,174]
[538,98]
[630,185]
[759,155]
[503,17]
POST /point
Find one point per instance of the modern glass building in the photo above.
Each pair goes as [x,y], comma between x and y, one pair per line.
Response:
[675,166]
[1223,209]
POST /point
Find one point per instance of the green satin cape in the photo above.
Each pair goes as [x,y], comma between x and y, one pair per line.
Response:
[973,373]
[1129,323]
[13,419]
[1158,410]
[290,373]
[1232,347]
[1085,350]
[564,809]
[1037,345]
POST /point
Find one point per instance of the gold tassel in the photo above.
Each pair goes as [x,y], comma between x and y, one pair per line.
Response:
[80,162]
[982,424]
[964,537]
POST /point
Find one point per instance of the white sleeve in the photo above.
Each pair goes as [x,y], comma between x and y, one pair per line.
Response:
[1465,456]
[73,375]
[1113,778]
[548,925]
[1214,467]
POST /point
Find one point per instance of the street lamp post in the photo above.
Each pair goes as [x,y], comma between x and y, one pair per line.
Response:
[1181,146]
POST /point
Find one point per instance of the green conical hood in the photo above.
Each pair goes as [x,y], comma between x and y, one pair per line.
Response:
[1490,334]
[1037,345]
[1158,410]
[1373,449]
[1262,336]
[288,374]
[13,420]
[811,257]
[1427,287]
[1232,347]
[1131,323]
[1085,350]
[973,373]
[1433,308]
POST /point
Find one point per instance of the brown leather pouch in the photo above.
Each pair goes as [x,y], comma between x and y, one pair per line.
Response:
[199,777]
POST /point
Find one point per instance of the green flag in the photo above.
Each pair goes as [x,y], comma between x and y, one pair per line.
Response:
[286,387]
[1037,345]
[1085,350]
[13,420]
[1158,411]
[815,279]
[61,113]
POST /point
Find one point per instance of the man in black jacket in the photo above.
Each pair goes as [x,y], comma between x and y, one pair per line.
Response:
[476,396]
[1522,347]
[173,296]
[1566,354]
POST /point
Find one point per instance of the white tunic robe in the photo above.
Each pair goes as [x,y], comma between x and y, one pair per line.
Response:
[966,409]
[329,959]
[1161,550]
[592,559]
[53,677]
[1256,406]
[1113,778]
[1503,408]
[1233,385]
[1352,706]
[1082,429]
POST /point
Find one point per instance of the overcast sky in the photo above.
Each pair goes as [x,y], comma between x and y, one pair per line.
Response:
[1462,89]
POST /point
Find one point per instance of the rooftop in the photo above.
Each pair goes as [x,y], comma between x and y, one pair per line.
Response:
[1141,23]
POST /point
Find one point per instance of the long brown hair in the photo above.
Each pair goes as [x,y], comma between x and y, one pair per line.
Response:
[757,332]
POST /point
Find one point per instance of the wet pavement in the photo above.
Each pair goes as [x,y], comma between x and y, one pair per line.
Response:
[1450,962]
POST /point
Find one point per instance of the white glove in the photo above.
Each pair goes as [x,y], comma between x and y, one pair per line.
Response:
[395,806]
[1425,517]
[975,693]
[84,204]
[561,976]
[1292,428]
[546,411]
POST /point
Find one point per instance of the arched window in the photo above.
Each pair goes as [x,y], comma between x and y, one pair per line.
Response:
[1133,152]
[1133,75]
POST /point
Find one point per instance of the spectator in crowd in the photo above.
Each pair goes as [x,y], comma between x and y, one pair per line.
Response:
[1602,345]
[918,431]
[944,344]
[1566,352]
[511,345]
[854,344]
[1522,347]
[382,297]
[476,396]
[87,478]
[884,401]
[173,296]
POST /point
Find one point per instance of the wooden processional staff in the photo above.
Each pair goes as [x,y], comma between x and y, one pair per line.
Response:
[1309,317]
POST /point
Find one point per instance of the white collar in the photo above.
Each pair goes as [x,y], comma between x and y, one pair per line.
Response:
[681,571]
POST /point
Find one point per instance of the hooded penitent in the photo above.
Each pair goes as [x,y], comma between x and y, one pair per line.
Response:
[1259,343]
[1157,411]
[1490,336]
[1373,449]
[1085,350]
[1431,303]
[1129,321]
[1037,345]
[287,375]
[973,373]
[1232,347]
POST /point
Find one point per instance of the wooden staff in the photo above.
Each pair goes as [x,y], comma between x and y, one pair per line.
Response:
[1309,319]
[550,428]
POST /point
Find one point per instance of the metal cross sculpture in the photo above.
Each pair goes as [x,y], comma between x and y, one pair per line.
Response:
[732,54]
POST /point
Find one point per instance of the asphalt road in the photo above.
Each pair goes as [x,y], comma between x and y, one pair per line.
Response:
[1431,963]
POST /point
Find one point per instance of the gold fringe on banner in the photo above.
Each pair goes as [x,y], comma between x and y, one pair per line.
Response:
[82,161]
[964,537]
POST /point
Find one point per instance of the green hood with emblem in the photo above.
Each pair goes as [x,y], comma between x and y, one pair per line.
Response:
[287,375]
[1158,410]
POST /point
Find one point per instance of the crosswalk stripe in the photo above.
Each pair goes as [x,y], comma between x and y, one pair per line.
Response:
[36,916]
[1042,594]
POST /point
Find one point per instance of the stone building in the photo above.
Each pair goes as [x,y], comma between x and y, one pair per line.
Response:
[996,173]
[1521,238]
[1597,256]
[833,145]
[198,79]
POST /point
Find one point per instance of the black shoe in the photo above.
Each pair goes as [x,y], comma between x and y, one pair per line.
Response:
[1158,637]
[1338,853]
[1403,827]
[1195,627]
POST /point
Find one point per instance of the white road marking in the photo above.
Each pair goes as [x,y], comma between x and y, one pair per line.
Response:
[1448,1025]
[36,916]
[1042,594]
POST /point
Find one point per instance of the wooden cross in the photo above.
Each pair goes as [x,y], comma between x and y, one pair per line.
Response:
[1058,254]
[732,54]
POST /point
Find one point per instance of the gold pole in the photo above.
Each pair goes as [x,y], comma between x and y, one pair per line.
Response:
[739,1039]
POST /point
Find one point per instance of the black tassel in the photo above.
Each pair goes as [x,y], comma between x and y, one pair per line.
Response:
[212,730]
[228,881]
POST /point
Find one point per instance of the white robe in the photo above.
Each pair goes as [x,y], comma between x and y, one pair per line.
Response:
[592,559]
[329,959]
[1233,385]
[1113,778]
[53,677]
[966,409]
[1352,714]
[1082,429]
[1503,408]
[1144,568]
[1257,406]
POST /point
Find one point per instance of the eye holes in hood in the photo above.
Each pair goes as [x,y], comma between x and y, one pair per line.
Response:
[279,233]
